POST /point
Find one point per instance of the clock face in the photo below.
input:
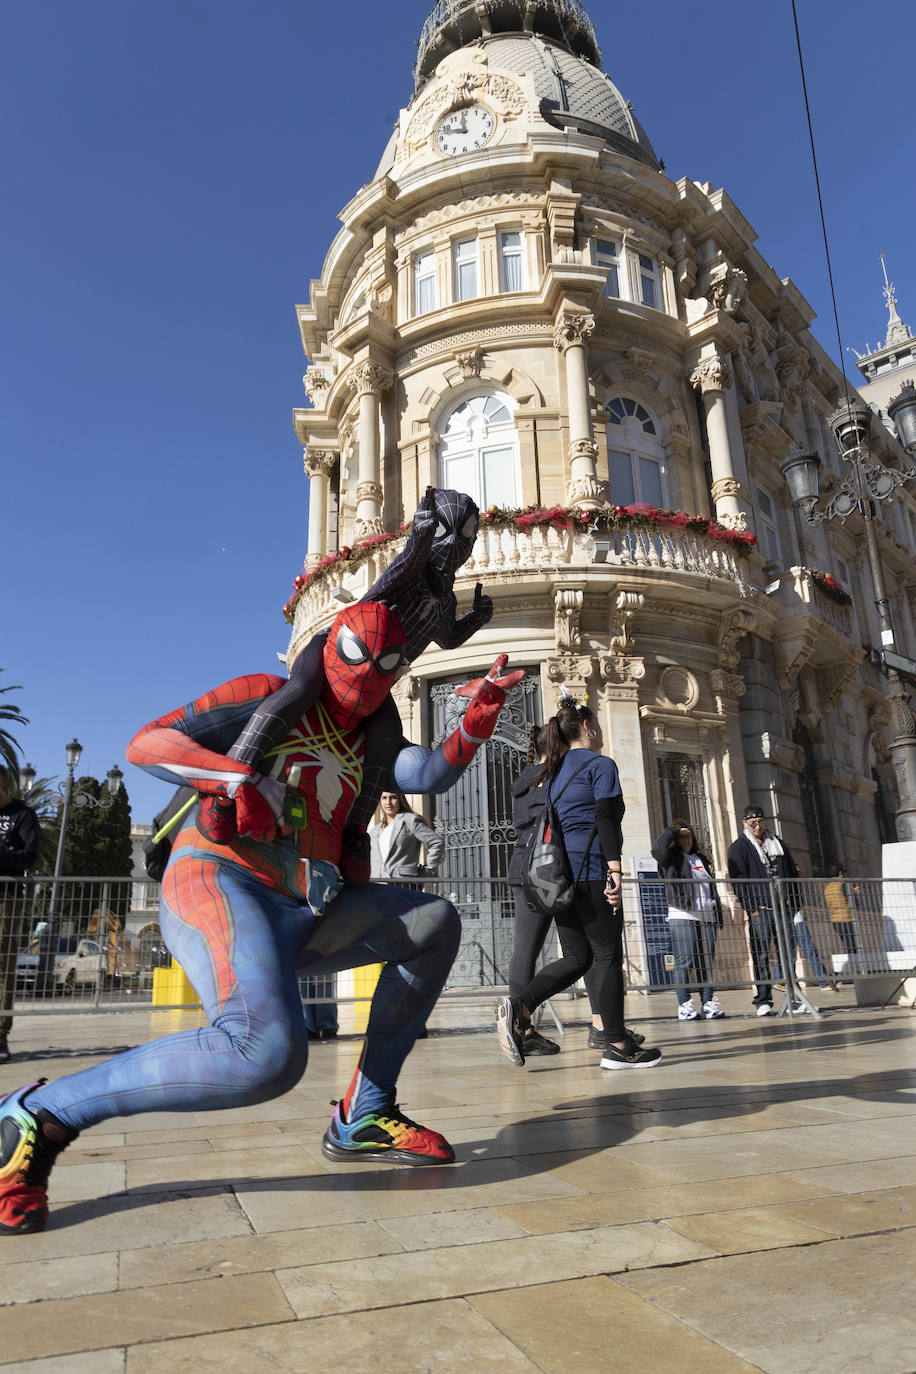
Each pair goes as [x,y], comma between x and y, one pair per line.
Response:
[463,130]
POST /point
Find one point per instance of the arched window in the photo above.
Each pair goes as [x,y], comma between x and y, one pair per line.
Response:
[636,457]
[478,450]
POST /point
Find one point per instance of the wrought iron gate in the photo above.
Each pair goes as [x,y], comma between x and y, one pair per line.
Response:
[683,792]
[475,819]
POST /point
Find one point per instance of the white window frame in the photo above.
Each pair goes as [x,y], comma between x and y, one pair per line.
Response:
[634,267]
[426,255]
[505,253]
[461,257]
[769,525]
[646,268]
[608,254]
[505,437]
[628,435]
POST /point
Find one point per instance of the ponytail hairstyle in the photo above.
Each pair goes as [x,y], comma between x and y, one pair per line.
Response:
[563,729]
[537,744]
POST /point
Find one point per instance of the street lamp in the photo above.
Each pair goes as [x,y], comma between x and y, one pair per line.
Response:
[80,799]
[867,484]
[26,780]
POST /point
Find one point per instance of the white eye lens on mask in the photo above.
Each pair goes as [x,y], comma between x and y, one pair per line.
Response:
[390,662]
[350,648]
[440,531]
[469,528]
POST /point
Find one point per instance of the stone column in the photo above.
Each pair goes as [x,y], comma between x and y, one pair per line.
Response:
[571,334]
[712,377]
[369,380]
[318,464]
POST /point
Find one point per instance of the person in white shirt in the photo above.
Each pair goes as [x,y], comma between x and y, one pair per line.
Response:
[397,840]
[694,917]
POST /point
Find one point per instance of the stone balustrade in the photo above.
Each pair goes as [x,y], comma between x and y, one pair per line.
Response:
[799,587]
[512,554]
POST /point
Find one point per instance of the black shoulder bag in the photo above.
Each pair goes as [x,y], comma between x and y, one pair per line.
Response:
[547,880]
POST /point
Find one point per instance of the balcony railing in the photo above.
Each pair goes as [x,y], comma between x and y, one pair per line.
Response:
[512,554]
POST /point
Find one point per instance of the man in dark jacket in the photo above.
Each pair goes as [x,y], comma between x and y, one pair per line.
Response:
[19,841]
[756,857]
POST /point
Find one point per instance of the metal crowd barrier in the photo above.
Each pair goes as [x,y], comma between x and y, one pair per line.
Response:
[101,945]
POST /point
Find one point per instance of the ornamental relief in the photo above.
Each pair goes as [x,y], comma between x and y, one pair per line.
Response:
[505,95]
[619,207]
[477,206]
[446,345]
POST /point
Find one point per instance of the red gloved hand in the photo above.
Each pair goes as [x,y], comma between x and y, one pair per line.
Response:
[487,696]
[253,816]
[216,818]
[355,855]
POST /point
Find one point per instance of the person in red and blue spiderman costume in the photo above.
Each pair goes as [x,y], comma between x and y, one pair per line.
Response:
[250,906]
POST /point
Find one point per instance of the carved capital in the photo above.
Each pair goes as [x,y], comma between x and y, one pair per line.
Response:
[369,491]
[622,670]
[728,688]
[712,374]
[903,723]
[365,529]
[734,522]
[568,602]
[369,379]
[727,486]
[734,626]
[318,462]
[571,670]
[625,607]
[573,329]
[316,384]
[406,688]
[470,363]
[586,492]
[727,290]
[583,448]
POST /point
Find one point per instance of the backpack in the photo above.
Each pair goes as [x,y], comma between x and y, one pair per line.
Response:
[158,847]
[547,880]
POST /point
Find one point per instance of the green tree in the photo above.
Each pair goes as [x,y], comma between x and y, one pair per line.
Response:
[9,747]
[97,845]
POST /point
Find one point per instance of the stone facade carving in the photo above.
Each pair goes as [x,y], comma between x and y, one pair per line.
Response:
[727,689]
[583,448]
[734,626]
[833,681]
[572,671]
[902,718]
[678,689]
[406,689]
[626,606]
[316,384]
[792,365]
[727,289]
[712,374]
[568,602]
[727,486]
[585,491]
[369,379]
[573,329]
[369,491]
[442,347]
[318,462]
[464,87]
[476,206]
[781,752]
[622,670]
[470,363]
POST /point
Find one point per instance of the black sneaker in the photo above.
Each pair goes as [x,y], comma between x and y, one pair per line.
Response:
[534,1043]
[4,1050]
[632,1056]
[509,1032]
[598,1039]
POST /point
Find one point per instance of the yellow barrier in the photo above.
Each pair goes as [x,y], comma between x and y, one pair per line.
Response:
[364,982]
[172,989]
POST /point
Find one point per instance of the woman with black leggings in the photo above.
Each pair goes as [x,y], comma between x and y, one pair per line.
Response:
[590,809]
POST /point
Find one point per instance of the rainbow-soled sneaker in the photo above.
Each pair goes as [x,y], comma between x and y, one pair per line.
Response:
[384,1137]
[29,1144]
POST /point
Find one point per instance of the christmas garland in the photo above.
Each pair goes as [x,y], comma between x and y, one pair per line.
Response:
[830,586]
[640,516]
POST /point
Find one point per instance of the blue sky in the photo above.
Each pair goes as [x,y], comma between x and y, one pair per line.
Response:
[172,172]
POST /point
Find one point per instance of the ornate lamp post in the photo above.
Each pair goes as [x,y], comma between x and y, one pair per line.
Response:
[81,799]
[866,485]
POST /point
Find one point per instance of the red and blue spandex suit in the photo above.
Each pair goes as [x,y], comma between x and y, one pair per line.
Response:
[234,910]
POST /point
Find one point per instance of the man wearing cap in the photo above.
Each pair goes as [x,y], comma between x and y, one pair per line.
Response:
[759,855]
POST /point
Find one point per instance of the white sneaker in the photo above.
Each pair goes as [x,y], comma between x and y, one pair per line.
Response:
[687,1012]
[799,1009]
[711,1010]
[764,1009]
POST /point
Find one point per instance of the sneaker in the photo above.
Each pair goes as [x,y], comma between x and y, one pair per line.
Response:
[29,1144]
[4,1050]
[711,1010]
[534,1043]
[597,1039]
[765,1009]
[687,1012]
[632,1056]
[798,1009]
[509,1032]
[384,1137]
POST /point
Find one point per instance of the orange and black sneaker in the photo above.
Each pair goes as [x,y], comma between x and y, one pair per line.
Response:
[29,1144]
[383,1137]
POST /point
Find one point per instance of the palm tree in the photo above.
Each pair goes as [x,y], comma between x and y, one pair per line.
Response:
[44,799]
[9,747]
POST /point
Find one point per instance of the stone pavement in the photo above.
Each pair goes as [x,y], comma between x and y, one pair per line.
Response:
[750,1204]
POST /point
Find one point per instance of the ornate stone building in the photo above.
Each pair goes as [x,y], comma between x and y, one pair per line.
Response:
[523,305]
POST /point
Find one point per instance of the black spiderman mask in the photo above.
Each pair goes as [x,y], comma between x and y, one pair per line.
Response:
[364,651]
[456,529]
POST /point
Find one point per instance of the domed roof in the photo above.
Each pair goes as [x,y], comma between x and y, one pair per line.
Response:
[553,44]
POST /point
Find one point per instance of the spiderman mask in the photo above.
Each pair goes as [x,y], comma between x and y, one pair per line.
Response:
[364,652]
[457,519]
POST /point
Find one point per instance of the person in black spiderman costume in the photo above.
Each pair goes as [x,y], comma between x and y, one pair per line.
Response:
[418,585]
